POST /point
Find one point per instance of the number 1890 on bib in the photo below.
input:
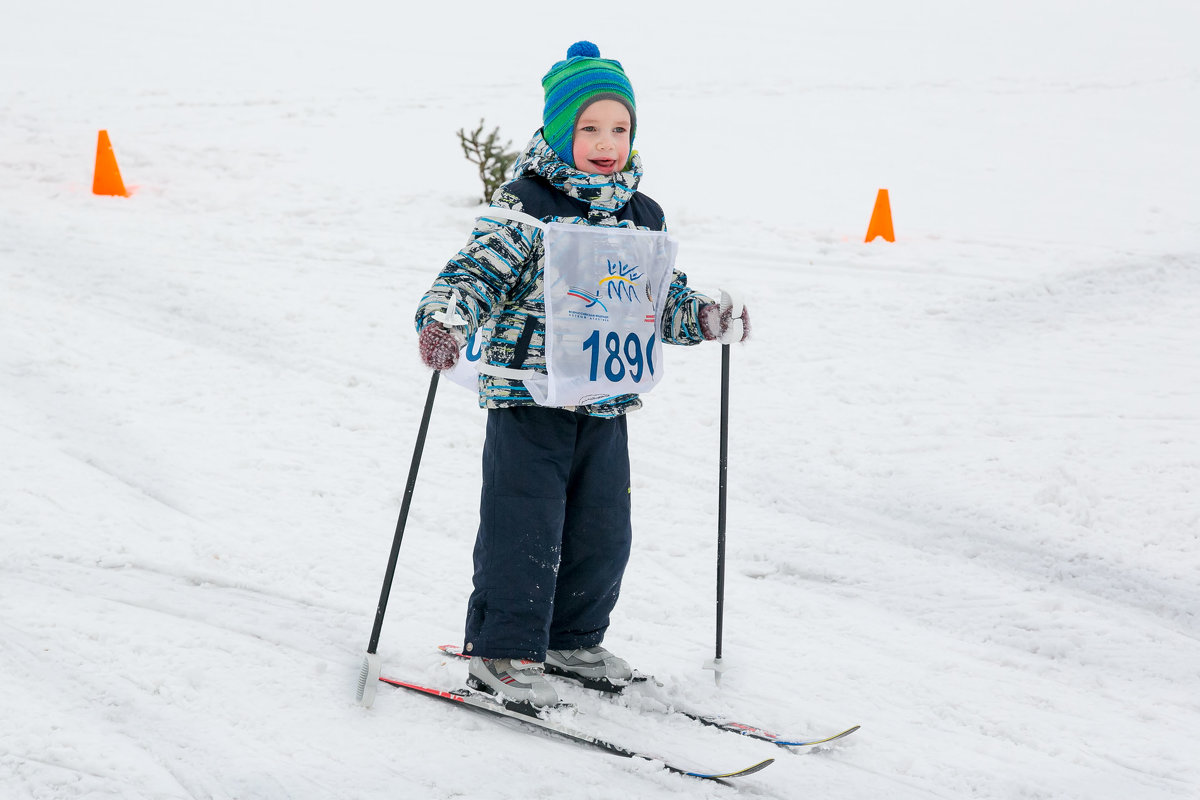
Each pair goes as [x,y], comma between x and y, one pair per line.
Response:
[629,356]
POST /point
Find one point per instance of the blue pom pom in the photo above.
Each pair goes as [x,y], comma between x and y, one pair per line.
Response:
[585,49]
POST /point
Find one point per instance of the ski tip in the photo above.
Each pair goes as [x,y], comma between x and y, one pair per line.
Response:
[826,740]
[750,770]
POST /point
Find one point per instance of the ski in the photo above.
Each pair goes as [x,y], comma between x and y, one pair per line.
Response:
[753,732]
[711,720]
[480,701]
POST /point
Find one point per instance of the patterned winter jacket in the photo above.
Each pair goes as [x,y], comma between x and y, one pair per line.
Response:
[498,274]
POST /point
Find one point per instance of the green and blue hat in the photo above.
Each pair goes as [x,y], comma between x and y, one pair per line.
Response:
[574,84]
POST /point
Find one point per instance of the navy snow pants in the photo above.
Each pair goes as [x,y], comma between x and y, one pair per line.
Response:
[554,532]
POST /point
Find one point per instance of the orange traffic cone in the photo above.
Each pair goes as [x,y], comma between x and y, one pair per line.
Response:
[107,179]
[881,219]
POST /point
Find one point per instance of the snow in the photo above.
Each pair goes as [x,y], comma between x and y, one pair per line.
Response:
[963,466]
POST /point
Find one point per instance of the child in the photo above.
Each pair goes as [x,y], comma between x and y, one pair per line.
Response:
[554,520]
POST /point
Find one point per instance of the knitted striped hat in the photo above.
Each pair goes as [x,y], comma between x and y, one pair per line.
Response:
[576,83]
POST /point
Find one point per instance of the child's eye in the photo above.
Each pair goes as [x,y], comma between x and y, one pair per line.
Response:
[588,128]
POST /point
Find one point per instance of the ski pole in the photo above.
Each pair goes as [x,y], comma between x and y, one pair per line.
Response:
[368,679]
[716,664]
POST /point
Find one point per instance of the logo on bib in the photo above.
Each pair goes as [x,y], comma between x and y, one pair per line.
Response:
[621,282]
[587,297]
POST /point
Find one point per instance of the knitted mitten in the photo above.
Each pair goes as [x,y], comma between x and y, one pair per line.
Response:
[728,322]
[439,349]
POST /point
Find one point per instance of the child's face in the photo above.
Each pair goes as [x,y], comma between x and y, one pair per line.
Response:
[601,142]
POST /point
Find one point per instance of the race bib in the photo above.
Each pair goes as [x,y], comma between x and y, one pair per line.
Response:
[605,289]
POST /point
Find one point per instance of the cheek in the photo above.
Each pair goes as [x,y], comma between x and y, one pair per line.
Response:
[579,150]
[623,154]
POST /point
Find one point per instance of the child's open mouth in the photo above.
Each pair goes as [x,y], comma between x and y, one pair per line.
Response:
[604,164]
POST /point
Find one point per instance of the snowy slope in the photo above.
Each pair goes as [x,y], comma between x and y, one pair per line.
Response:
[963,466]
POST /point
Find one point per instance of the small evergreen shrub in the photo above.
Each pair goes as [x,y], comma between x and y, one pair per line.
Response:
[494,160]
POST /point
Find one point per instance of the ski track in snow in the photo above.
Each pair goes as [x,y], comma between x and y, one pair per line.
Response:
[963,465]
